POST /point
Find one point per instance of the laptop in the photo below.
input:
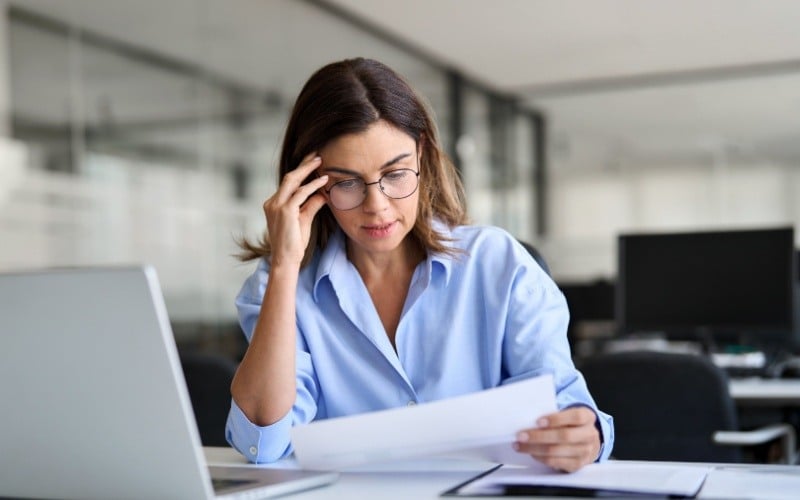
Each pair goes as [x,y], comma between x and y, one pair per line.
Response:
[94,403]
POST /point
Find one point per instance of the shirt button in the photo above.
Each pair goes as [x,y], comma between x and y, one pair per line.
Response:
[412,403]
[253,450]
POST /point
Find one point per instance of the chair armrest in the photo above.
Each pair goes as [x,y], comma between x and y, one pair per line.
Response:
[760,436]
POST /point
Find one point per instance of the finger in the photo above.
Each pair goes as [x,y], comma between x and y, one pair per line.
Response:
[552,435]
[579,415]
[307,160]
[281,199]
[564,464]
[304,192]
[560,457]
[312,206]
[584,450]
[294,179]
[563,435]
[572,460]
[555,450]
[305,167]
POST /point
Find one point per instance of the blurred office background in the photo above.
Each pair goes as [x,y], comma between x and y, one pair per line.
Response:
[147,131]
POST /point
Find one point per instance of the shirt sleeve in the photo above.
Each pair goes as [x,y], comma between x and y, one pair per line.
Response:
[535,343]
[264,444]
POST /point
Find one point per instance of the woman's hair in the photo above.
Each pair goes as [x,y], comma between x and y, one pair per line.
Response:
[347,97]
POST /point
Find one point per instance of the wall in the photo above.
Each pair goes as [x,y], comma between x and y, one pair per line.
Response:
[589,209]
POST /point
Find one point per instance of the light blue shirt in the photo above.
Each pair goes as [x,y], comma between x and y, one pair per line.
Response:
[470,322]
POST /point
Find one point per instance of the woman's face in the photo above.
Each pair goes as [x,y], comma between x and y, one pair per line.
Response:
[380,223]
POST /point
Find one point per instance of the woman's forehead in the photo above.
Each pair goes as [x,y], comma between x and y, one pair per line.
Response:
[374,147]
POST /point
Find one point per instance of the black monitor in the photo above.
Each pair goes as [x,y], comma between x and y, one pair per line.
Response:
[720,287]
[589,300]
[591,314]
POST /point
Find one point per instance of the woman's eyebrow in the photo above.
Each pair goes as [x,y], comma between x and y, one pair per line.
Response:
[341,170]
[395,160]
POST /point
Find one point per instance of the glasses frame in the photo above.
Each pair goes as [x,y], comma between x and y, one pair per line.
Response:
[379,182]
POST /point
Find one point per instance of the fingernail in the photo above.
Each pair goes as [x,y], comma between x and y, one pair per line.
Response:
[523,437]
[542,422]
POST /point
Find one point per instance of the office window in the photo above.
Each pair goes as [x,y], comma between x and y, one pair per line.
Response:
[156,141]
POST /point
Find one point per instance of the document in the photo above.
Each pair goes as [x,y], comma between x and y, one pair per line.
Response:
[738,483]
[482,425]
[616,478]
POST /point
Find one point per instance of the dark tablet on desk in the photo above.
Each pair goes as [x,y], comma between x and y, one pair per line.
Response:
[482,485]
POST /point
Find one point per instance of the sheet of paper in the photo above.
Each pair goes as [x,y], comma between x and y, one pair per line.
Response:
[612,476]
[481,425]
[737,484]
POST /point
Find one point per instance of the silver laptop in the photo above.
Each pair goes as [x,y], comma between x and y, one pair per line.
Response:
[94,404]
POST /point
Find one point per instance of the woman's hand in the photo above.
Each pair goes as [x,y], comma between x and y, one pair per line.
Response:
[291,210]
[566,440]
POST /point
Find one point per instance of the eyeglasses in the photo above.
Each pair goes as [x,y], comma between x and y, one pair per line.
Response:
[395,184]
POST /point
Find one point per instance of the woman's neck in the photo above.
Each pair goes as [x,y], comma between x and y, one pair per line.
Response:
[377,266]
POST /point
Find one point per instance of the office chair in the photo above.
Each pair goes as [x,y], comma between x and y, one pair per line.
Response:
[208,378]
[536,256]
[674,407]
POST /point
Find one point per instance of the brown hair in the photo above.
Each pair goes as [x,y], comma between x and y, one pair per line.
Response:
[346,97]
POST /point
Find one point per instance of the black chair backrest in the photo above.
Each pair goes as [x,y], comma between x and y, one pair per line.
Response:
[536,256]
[208,378]
[666,406]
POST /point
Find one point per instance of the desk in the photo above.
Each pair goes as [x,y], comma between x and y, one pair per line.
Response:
[765,392]
[427,478]
[422,479]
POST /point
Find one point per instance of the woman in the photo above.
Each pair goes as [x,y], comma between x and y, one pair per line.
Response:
[371,291]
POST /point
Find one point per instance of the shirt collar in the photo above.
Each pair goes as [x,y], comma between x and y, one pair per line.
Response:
[443,260]
[335,254]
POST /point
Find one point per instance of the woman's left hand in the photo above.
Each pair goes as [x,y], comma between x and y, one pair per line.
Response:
[566,440]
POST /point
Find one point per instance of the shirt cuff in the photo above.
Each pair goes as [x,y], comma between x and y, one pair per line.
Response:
[258,444]
[605,424]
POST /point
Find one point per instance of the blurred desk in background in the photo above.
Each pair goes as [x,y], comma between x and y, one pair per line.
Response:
[765,392]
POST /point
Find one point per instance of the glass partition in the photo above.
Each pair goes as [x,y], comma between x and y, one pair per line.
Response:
[149,133]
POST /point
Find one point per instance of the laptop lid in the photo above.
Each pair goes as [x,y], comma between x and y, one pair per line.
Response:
[94,400]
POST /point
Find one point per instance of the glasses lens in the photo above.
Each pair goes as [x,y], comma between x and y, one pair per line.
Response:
[399,183]
[396,184]
[347,194]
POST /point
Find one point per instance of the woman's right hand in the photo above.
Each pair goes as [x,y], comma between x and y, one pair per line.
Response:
[291,210]
[265,386]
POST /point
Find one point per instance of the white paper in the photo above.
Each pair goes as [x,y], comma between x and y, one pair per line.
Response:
[737,484]
[481,425]
[613,476]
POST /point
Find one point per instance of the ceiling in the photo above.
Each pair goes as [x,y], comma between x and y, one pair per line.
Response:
[639,80]
[635,79]
[525,45]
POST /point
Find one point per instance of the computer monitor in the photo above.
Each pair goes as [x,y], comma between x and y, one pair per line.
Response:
[589,300]
[591,314]
[721,287]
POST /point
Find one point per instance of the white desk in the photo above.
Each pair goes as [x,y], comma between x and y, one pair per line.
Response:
[423,479]
[765,392]
[426,479]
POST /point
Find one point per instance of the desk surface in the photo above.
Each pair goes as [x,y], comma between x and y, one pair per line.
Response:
[765,391]
[421,479]
[428,478]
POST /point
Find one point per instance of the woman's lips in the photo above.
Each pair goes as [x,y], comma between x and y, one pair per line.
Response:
[379,230]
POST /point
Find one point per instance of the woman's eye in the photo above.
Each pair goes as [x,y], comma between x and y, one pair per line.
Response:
[349,184]
[395,175]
